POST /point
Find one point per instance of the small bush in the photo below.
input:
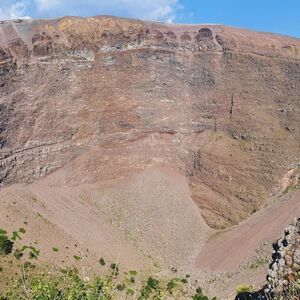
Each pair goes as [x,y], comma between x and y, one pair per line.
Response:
[244,288]
[68,284]
[6,245]
[102,261]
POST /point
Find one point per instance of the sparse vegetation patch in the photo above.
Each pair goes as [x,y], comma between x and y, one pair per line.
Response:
[35,283]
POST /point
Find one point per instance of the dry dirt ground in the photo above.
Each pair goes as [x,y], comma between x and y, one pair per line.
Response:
[150,214]
[150,224]
[227,250]
[241,255]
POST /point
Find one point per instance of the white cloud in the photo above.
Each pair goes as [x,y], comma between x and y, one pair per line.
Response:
[16,10]
[161,10]
[47,5]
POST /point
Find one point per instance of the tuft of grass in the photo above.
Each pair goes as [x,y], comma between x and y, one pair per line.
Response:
[3,232]
[258,263]
[289,188]
[22,230]
[32,282]
[68,284]
[76,257]
[244,288]
[102,261]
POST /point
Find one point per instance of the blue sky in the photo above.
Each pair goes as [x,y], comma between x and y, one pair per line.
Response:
[280,16]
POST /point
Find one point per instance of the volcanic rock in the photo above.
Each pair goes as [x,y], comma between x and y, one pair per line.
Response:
[104,100]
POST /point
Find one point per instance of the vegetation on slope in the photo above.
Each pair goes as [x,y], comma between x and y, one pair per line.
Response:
[33,282]
[68,284]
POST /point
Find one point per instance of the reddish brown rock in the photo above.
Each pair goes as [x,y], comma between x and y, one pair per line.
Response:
[101,98]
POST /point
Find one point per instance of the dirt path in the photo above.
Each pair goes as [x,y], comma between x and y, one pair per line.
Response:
[227,251]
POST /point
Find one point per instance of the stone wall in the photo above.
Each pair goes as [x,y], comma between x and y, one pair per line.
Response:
[285,264]
[283,270]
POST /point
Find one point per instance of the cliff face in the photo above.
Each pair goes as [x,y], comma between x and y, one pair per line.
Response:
[102,98]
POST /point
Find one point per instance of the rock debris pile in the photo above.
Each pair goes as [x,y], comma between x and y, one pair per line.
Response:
[285,264]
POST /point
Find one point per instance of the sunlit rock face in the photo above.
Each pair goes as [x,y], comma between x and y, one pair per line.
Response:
[102,98]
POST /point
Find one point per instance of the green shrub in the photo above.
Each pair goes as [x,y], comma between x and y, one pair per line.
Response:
[68,284]
[244,288]
[102,261]
[33,283]
[6,245]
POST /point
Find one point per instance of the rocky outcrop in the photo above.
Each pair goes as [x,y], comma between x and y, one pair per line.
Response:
[101,98]
[285,266]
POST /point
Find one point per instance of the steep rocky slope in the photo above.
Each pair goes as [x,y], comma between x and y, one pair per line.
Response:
[116,109]
[103,97]
[136,140]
